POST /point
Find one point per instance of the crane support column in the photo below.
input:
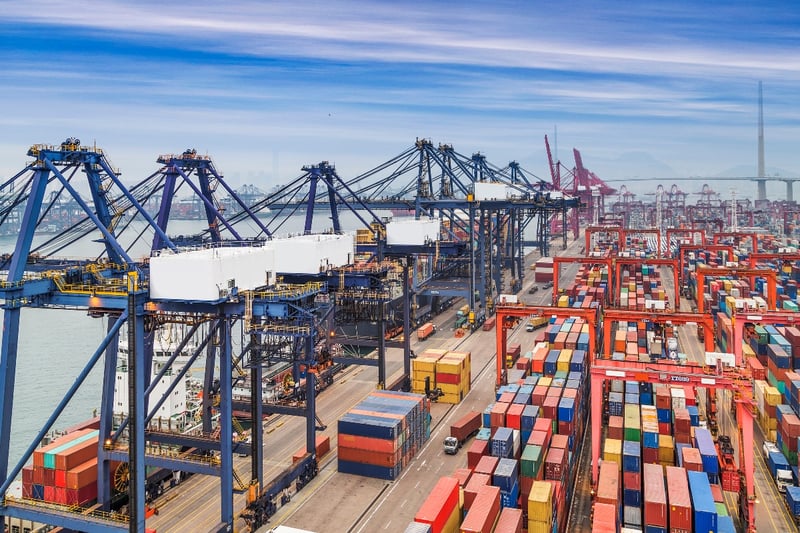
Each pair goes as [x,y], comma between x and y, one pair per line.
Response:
[744,416]
[136,405]
[226,425]
[597,424]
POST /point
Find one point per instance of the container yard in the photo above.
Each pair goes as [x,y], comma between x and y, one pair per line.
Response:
[631,383]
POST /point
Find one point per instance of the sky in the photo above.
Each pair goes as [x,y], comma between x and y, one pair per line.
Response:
[662,90]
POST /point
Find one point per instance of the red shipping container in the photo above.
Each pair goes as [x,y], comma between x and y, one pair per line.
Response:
[27,475]
[615,427]
[663,398]
[655,496]
[559,441]
[476,450]
[447,378]
[50,493]
[608,483]
[81,496]
[691,400]
[60,495]
[507,397]
[539,394]
[649,455]
[462,475]
[510,521]
[322,446]
[486,465]
[550,407]
[61,478]
[77,455]
[514,415]
[525,486]
[791,424]
[716,493]
[83,475]
[632,480]
[49,477]
[555,463]
[372,458]
[692,460]
[475,483]
[497,416]
[554,392]
[604,519]
[483,512]
[38,475]
[27,490]
[439,505]
[680,502]
[544,424]
[566,428]
[664,428]
[539,438]
[367,443]
[757,369]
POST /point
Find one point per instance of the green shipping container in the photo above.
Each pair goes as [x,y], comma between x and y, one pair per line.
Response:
[531,461]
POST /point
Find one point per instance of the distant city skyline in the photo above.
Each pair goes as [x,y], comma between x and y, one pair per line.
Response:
[660,90]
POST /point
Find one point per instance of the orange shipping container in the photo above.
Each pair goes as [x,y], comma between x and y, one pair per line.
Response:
[82,475]
[322,446]
[38,454]
[367,443]
[372,458]
[77,455]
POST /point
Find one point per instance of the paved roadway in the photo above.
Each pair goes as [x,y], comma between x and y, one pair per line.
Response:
[772,513]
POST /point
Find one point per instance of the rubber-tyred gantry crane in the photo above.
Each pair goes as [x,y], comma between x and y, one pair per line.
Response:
[695,376]
[754,258]
[751,273]
[672,263]
[738,237]
[687,232]
[700,248]
[705,321]
[591,230]
[507,315]
[649,231]
[558,261]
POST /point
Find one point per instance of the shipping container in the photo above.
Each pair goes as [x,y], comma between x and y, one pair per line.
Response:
[439,505]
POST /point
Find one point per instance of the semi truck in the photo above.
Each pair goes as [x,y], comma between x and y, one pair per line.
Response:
[461,431]
[778,466]
[425,330]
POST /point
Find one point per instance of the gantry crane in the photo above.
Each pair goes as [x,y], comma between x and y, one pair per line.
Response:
[622,261]
[705,321]
[591,230]
[703,272]
[591,261]
[754,258]
[683,248]
[676,232]
[738,237]
[649,231]
[508,315]
[692,375]
[739,319]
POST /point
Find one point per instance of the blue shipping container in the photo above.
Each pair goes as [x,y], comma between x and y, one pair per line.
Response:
[708,452]
[704,510]
[631,456]
[793,499]
[502,444]
[505,474]
[566,410]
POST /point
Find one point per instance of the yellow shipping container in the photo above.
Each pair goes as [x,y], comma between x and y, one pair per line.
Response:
[425,362]
[563,301]
[564,359]
[451,398]
[450,388]
[612,451]
[545,380]
[540,501]
[450,365]
[772,396]
[535,526]
[666,449]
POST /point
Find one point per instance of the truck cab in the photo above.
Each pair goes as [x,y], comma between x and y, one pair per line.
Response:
[783,476]
[451,445]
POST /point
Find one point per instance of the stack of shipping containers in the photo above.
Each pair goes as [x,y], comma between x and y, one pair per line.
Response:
[380,435]
[65,471]
[523,461]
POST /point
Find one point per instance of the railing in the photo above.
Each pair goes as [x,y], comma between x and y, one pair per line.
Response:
[70,509]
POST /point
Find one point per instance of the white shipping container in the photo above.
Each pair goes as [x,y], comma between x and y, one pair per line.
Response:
[632,515]
[413,232]
[491,191]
